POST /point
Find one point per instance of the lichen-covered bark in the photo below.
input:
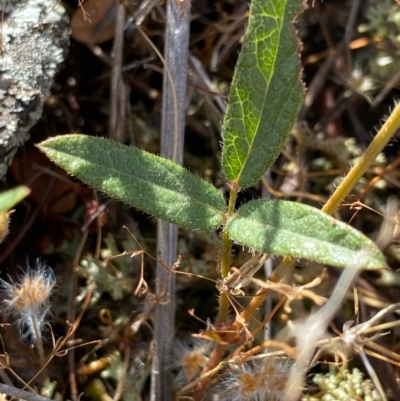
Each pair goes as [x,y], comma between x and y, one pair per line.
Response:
[35,36]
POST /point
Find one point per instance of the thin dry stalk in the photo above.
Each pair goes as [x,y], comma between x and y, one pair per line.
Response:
[118,90]
[172,135]
[72,315]
[21,394]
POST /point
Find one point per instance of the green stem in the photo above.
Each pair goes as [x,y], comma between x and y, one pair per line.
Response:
[384,135]
[226,259]
[223,313]
[382,138]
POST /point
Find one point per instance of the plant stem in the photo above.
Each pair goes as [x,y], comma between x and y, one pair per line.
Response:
[176,52]
[382,138]
[262,294]
[38,339]
[21,394]
[215,358]
[384,135]
[226,259]
[223,313]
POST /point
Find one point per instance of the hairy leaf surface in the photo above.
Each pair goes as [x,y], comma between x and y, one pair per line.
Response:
[266,93]
[149,182]
[301,231]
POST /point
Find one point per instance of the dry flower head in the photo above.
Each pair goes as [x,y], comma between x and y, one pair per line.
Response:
[27,299]
[255,380]
[32,292]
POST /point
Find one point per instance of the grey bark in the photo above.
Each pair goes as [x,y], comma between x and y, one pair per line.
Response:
[35,36]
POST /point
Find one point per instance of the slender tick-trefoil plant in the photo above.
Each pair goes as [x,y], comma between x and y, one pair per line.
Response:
[265,98]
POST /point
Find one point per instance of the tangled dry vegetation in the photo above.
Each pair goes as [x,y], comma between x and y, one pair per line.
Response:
[83,329]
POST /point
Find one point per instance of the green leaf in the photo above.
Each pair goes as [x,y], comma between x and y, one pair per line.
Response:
[266,93]
[149,182]
[8,200]
[293,229]
[13,196]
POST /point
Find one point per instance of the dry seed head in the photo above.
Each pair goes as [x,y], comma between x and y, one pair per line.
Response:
[31,293]
[248,382]
[27,299]
[192,362]
[255,381]
[189,356]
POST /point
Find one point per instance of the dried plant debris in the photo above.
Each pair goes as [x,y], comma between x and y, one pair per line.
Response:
[97,322]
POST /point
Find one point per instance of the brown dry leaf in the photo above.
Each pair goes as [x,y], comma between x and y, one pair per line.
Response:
[62,198]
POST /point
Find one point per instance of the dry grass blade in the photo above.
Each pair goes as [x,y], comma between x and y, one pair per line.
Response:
[309,331]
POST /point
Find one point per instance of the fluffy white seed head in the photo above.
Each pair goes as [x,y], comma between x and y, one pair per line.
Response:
[254,381]
[26,299]
[189,356]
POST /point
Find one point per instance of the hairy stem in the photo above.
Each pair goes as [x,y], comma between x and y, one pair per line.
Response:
[226,260]
[384,135]
[382,138]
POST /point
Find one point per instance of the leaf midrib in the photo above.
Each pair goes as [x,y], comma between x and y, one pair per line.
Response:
[257,223]
[244,164]
[138,179]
